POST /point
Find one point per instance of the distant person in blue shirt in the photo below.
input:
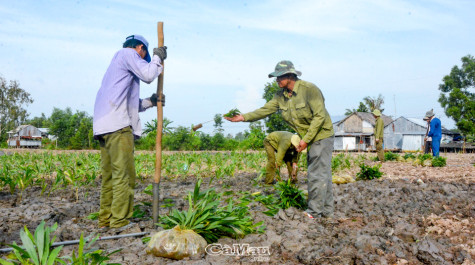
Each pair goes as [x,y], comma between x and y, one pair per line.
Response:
[435,132]
[117,123]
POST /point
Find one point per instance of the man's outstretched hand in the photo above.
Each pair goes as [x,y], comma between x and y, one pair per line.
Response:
[236,118]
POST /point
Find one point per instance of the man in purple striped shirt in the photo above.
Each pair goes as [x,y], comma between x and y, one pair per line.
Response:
[117,123]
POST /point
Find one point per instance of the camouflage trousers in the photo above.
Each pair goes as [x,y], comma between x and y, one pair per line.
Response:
[380,150]
[319,174]
[118,178]
[271,170]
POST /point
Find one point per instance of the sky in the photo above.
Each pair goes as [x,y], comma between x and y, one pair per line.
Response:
[220,52]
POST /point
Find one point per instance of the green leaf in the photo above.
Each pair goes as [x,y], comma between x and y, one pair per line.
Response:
[5,262]
[40,241]
[29,246]
[54,255]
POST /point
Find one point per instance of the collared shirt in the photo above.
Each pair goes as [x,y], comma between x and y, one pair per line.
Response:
[281,142]
[379,129]
[304,111]
[117,102]
[435,128]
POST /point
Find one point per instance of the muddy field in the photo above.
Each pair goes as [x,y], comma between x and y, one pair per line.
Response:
[413,215]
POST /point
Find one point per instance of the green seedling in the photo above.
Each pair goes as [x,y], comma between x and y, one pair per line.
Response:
[390,156]
[232,113]
[36,248]
[291,196]
[369,173]
[93,216]
[439,161]
[208,218]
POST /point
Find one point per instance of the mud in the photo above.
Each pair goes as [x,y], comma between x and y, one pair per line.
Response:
[413,215]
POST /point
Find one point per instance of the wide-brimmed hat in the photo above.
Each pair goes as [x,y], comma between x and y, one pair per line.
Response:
[143,41]
[376,112]
[429,114]
[284,67]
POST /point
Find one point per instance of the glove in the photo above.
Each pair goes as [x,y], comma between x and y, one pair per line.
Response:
[161,52]
[154,99]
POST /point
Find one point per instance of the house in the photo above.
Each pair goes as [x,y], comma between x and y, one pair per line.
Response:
[355,132]
[26,136]
[407,134]
[46,134]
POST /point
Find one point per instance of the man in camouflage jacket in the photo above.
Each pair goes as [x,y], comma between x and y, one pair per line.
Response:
[302,106]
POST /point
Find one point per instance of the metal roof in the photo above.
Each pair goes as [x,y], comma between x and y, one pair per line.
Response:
[419,122]
[352,134]
[423,124]
[368,116]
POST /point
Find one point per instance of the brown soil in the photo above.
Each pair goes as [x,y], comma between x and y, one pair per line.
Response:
[394,220]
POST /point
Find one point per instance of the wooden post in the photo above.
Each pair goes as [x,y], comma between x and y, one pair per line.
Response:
[158,144]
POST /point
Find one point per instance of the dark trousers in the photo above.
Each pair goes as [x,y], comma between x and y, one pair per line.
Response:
[428,147]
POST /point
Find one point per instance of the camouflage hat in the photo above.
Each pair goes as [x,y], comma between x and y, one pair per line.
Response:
[376,112]
[429,114]
[284,67]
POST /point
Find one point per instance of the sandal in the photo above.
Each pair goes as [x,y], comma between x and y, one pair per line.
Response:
[309,215]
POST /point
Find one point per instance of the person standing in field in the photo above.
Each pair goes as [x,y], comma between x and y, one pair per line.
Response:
[281,147]
[435,131]
[427,140]
[379,134]
[117,123]
[302,106]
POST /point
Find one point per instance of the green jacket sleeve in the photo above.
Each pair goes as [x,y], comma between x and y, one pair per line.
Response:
[269,108]
[316,104]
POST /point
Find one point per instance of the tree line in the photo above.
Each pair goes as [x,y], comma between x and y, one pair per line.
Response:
[73,130]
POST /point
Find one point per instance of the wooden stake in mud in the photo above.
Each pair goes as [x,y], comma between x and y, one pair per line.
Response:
[158,144]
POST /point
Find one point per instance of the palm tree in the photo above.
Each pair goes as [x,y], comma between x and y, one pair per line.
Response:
[374,103]
[361,108]
[151,127]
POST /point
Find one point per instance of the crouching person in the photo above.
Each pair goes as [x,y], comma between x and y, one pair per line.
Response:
[281,147]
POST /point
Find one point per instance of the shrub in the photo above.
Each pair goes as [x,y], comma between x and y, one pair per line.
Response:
[439,161]
[368,173]
[409,156]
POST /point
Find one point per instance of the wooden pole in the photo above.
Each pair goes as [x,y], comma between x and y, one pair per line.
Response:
[158,144]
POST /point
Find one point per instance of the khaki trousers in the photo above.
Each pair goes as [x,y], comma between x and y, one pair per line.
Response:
[118,178]
[380,150]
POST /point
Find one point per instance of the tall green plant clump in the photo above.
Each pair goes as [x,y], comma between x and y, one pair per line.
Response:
[36,248]
[208,218]
[390,156]
[439,161]
[340,161]
[369,173]
[291,196]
